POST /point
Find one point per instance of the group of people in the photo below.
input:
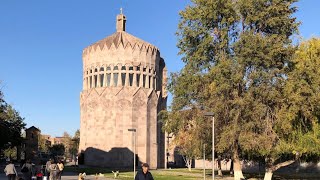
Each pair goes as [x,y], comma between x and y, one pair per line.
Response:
[53,170]
[27,171]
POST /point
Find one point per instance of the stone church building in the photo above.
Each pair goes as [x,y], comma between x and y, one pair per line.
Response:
[124,87]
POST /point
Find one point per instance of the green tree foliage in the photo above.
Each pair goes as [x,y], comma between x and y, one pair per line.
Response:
[302,93]
[44,144]
[11,125]
[11,152]
[294,129]
[16,125]
[75,143]
[4,131]
[189,133]
[67,141]
[237,56]
[57,149]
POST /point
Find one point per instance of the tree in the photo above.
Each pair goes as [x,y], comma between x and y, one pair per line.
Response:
[44,144]
[297,130]
[67,141]
[57,149]
[4,130]
[236,56]
[11,125]
[75,143]
[189,133]
[11,152]
[16,125]
[292,130]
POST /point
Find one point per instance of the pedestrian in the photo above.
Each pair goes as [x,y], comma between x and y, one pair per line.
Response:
[47,168]
[38,171]
[54,170]
[27,170]
[144,174]
[10,171]
[61,167]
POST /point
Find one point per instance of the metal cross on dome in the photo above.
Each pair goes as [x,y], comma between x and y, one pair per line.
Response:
[121,10]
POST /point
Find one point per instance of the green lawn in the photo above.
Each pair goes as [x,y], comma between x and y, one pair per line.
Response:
[184,174]
[172,174]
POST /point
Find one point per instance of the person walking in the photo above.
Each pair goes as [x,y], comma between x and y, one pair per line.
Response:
[27,170]
[61,167]
[54,170]
[144,174]
[10,171]
[47,168]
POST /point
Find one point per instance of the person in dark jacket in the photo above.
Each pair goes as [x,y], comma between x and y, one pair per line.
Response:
[27,170]
[144,174]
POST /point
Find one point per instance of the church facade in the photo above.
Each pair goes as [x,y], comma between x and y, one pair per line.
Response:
[124,87]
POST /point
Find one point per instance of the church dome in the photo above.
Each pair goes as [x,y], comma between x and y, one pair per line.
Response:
[124,39]
[122,59]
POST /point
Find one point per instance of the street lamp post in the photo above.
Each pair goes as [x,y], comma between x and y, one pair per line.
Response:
[134,151]
[211,114]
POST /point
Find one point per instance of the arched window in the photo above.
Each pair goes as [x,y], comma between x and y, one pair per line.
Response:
[144,81]
[138,79]
[130,79]
[123,75]
[90,81]
[123,78]
[108,79]
[108,68]
[150,85]
[115,79]
[101,80]
[96,70]
[95,81]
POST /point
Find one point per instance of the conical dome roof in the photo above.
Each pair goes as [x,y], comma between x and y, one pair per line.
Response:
[121,38]
[121,49]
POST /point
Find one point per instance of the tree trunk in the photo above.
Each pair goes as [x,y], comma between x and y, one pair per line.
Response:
[237,166]
[268,175]
[271,167]
[189,167]
[188,162]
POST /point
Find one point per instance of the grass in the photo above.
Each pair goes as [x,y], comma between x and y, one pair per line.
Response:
[184,174]
[172,174]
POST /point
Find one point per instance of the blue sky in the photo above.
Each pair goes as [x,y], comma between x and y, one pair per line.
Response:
[41,44]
